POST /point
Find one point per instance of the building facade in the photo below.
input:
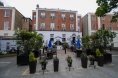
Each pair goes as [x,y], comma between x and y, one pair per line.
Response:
[10,20]
[91,23]
[56,24]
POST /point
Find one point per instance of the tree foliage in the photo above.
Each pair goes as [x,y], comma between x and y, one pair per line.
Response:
[86,41]
[28,40]
[1,3]
[106,6]
[100,39]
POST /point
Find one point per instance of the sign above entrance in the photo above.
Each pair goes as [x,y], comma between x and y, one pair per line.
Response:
[58,37]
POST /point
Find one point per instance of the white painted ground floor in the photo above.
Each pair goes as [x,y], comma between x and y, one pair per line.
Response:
[60,36]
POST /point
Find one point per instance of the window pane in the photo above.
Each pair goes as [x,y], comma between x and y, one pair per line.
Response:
[7,13]
[34,16]
[6,24]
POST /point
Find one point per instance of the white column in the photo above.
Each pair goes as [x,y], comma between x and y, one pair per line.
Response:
[98,22]
[13,19]
[36,18]
[89,24]
[76,22]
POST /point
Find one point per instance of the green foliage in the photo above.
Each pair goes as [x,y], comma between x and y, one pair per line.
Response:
[106,6]
[31,57]
[43,61]
[98,53]
[86,41]
[55,58]
[29,40]
[102,38]
[69,59]
[64,45]
[1,3]
[53,46]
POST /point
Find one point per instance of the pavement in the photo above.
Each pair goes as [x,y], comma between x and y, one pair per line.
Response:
[9,69]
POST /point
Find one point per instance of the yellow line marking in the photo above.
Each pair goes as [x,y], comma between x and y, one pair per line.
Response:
[25,72]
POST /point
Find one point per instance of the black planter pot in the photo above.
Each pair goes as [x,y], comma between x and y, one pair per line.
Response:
[70,64]
[100,61]
[22,59]
[107,58]
[32,67]
[84,60]
[56,65]
[78,53]
[43,66]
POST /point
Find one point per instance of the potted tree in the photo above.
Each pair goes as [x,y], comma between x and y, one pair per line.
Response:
[32,63]
[69,62]
[43,63]
[100,58]
[56,64]
[84,60]
[54,48]
[64,46]
[28,41]
[49,53]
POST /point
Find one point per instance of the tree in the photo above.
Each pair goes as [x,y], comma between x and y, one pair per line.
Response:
[102,39]
[1,3]
[86,42]
[28,40]
[106,6]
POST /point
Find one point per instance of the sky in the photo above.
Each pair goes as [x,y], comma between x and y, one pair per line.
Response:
[26,6]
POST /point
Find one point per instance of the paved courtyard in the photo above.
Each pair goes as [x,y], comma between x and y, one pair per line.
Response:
[9,69]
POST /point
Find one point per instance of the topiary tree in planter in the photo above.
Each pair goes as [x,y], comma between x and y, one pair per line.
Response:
[69,61]
[65,46]
[43,63]
[29,41]
[99,57]
[86,42]
[32,63]
[101,40]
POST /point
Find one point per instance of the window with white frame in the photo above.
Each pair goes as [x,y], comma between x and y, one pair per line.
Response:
[34,17]
[52,15]
[42,26]
[71,17]
[52,26]
[34,26]
[94,27]
[63,16]
[103,18]
[51,35]
[63,26]
[6,24]
[63,37]
[93,18]
[71,27]
[6,13]
[42,14]
[5,34]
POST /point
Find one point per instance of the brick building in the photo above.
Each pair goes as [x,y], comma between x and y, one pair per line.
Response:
[91,23]
[10,20]
[27,24]
[56,24]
